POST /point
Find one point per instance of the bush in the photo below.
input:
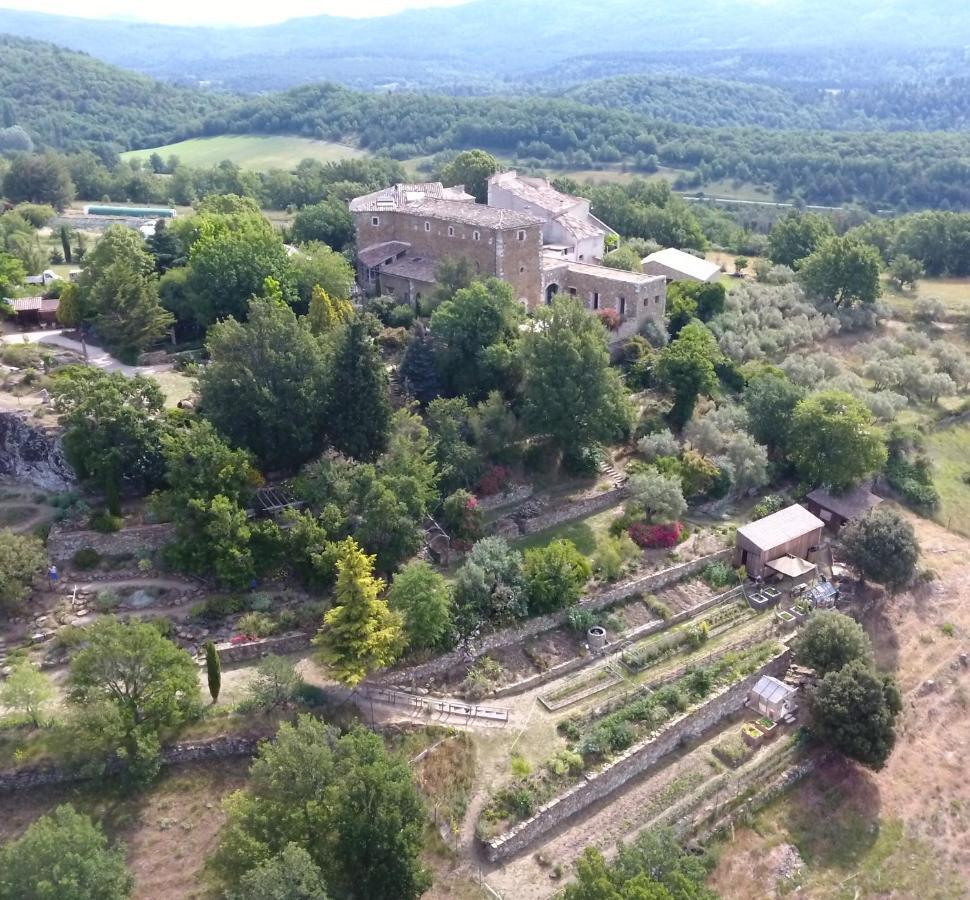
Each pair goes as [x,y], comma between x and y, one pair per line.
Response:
[767,506]
[401,316]
[494,481]
[581,620]
[655,536]
[393,338]
[658,607]
[719,575]
[86,558]
[107,600]
[610,318]
[256,624]
[259,602]
[217,608]
[106,523]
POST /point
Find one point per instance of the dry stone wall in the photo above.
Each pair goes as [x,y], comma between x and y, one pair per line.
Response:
[578,509]
[288,643]
[635,761]
[63,544]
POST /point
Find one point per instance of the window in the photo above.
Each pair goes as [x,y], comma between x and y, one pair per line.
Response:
[572,292]
[427,226]
[581,257]
[622,306]
[521,269]
[451,231]
[596,300]
[375,220]
[521,235]
[476,236]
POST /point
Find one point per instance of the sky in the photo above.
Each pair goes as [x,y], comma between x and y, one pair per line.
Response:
[220,12]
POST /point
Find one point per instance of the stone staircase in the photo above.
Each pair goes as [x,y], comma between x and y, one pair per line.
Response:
[607,468]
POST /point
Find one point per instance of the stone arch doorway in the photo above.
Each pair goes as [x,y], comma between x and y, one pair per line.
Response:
[551,292]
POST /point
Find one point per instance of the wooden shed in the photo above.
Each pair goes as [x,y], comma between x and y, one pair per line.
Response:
[789,534]
[835,510]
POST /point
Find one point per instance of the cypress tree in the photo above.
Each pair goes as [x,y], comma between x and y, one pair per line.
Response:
[213,670]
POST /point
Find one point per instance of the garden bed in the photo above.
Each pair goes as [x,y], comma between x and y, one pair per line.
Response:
[581,687]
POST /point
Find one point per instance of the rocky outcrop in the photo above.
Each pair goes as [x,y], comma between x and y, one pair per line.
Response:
[32,455]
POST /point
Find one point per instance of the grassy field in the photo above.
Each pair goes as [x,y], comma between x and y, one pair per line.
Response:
[259,152]
[948,450]
[954,292]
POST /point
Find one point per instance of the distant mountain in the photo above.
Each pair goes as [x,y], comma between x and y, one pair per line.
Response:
[485,41]
[69,101]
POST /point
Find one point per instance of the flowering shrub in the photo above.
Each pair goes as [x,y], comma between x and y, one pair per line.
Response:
[610,318]
[493,481]
[461,516]
[655,536]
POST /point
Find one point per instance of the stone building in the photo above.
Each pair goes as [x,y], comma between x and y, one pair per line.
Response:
[538,242]
[676,265]
[405,231]
[568,227]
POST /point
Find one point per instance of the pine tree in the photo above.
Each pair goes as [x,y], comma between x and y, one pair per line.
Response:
[213,670]
[326,313]
[419,369]
[360,407]
[360,633]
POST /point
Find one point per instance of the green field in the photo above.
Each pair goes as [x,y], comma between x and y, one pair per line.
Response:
[259,152]
[948,449]
[954,292]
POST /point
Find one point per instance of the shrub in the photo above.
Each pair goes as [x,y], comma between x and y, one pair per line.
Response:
[581,620]
[657,607]
[461,516]
[401,316]
[767,506]
[610,318]
[86,558]
[393,338]
[494,481]
[655,536]
[719,575]
[481,678]
[217,608]
[259,602]
[107,600]
[257,624]
[106,523]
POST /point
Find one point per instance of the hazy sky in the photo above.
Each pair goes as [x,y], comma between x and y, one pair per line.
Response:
[220,12]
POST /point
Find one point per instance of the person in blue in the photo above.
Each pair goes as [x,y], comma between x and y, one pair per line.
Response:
[52,576]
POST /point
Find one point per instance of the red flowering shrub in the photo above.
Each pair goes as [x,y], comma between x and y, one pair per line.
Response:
[610,318]
[652,537]
[493,481]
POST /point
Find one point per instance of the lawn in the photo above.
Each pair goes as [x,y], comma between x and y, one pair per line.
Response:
[948,448]
[954,292]
[259,152]
[582,532]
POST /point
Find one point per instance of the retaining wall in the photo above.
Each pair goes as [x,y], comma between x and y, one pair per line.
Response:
[217,748]
[635,761]
[505,637]
[578,509]
[519,493]
[62,545]
[289,643]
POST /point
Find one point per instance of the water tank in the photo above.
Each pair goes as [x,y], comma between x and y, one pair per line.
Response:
[596,638]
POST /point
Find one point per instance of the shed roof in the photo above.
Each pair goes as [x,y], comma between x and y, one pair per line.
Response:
[771,689]
[375,254]
[852,505]
[686,263]
[417,268]
[32,304]
[787,524]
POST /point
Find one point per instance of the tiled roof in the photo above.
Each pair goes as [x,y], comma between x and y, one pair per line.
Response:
[399,195]
[785,525]
[419,268]
[580,228]
[32,304]
[848,506]
[375,254]
[537,191]
[637,279]
[686,263]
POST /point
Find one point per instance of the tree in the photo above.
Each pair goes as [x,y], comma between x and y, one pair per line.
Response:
[27,690]
[472,169]
[230,261]
[624,258]
[555,576]
[65,235]
[166,248]
[453,274]
[326,313]
[344,800]
[22,558]
[842,271]
[459,463]
[831,640]
[475,335]
[797,236]
[151,680]
[770,399]
[496,429]
[423,599]
[12,274]
[275,683]
[328,221]
[39,178]
[66,856]
[360,407]
[834,440]
[489,586]
[360,633]
[854,711]
[112,429]
[657,496]
[686,367]
[318,266]
[904,271]
[740,264]
[882,547]
[418,370]
[265,387]
[213,670]
[290,875]
[571,394]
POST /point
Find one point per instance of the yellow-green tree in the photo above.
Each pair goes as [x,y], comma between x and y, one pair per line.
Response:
[361,633]
[326,312]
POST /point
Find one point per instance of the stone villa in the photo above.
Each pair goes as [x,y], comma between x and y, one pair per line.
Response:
[530,235]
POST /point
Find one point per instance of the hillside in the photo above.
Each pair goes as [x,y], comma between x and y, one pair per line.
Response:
[489,40]
[70,101]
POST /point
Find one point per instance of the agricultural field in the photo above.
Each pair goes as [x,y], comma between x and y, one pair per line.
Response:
[257,152]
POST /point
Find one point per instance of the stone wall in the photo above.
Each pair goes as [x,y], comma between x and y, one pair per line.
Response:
[578,509]
[634,762]
[497,639]
[32,455]
[63,544]
[517,493]
[289,643]
[217,748]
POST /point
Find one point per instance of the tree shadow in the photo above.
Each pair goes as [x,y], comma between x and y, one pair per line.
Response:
[885,641]
[834,817]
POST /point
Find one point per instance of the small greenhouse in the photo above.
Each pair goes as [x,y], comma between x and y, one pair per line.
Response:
[772,698]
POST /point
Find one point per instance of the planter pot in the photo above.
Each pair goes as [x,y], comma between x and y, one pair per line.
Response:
[768,728]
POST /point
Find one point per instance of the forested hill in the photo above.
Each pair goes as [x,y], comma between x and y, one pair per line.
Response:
[941,104]
[883,169]
[494,40]
[70,101]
